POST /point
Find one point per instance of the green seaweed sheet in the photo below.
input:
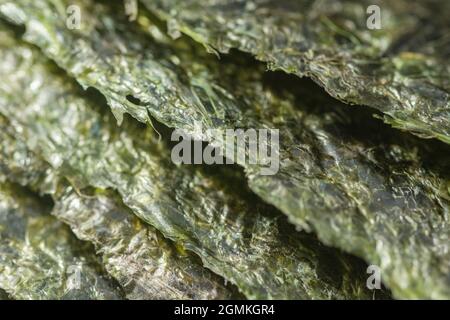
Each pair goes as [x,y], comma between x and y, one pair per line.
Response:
[247,242]
[371,191]
[146,265]
[401,69]
[40,258]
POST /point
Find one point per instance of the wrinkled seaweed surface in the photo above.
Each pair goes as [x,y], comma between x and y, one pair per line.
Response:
[247,243]
[400,69]
[371,191]
[40,258]
[146,265]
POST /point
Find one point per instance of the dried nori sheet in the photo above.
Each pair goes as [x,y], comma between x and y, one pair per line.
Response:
[40,258]
[401,69]
[246,242]
[146,265]
[371,191]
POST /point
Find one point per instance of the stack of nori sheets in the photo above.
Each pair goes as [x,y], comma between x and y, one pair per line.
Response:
[93,207]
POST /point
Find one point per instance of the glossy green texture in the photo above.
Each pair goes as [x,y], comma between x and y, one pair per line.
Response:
[146,265]
[401,69]
[19,165]
[362,187]
[129,64]
[245,241]
[40,258]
